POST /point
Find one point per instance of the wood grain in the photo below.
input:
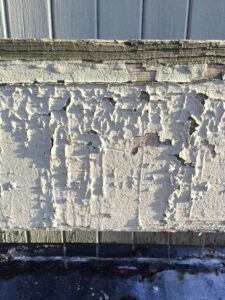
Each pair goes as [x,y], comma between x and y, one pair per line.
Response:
[174,52]
[179,238]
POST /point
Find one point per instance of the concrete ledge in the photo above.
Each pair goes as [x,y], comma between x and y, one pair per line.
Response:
[185,238]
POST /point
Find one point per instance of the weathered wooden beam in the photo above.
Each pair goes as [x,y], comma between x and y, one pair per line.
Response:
[78,236]
[174,52]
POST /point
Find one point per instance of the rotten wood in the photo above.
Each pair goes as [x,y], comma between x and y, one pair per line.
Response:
[165,52]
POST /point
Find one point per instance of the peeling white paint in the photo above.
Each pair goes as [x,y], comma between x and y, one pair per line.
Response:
[97,72]
[137,156]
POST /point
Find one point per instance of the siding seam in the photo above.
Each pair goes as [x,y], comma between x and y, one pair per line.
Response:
[6,19]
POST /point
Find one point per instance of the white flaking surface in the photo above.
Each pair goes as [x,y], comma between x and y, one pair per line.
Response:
[113,156]
[93,72]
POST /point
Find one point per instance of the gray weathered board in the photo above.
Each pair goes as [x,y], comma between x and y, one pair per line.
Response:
[173,52]
[113,19]
[180,238]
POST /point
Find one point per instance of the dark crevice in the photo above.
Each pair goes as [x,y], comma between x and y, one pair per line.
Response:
[182,161]
[36,82]
[201,97]
[135,43]
[67,104]
[51,143]
[93,131]
[111,101]
[210,147]
[94,144]
[192,125]
[144,96]
[92,60]
[134,150]
[213,152]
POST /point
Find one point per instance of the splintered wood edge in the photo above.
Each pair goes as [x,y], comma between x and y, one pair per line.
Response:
[155,51]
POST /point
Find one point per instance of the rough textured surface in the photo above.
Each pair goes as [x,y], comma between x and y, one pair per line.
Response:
[164,52]
[119,156]
[97,72]
[112,137]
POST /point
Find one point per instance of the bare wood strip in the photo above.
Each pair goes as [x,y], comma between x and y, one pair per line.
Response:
[174,52]
[179,238]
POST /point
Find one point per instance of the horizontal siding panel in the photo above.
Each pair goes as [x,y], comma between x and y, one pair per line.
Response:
[74,19]
[207,19]
[28,18]
[165,19]
[119,19]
